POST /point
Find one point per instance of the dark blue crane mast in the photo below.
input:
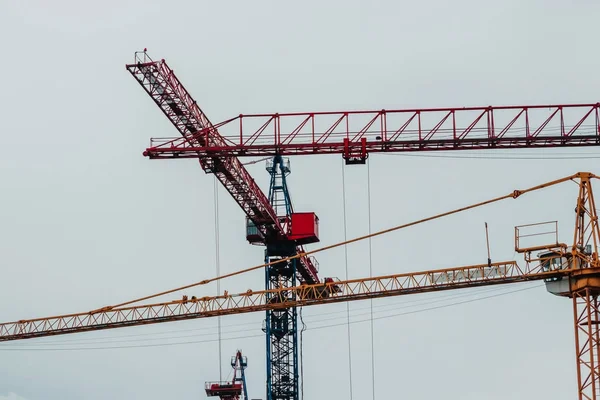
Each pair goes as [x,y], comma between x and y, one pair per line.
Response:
[281,326]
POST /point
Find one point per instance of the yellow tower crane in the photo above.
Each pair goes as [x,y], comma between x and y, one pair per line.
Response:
[568,270]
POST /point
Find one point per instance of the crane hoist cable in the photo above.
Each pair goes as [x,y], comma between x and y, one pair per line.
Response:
[370,276]
[218,269]
[512,195]
[301,355]
[346,266]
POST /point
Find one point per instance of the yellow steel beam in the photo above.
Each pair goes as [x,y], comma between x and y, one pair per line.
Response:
[127,314]
[253,301]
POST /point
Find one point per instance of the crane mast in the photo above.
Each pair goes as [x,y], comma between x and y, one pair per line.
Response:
[281,325]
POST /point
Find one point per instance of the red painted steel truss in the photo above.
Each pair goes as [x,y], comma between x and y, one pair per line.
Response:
[355,134]
[159,81]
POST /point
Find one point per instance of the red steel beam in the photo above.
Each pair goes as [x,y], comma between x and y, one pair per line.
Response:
[159,81]
[408,130]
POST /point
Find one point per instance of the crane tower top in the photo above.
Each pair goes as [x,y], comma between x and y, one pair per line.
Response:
[235,389]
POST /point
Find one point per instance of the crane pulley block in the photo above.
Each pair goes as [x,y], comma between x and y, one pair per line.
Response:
[355,152]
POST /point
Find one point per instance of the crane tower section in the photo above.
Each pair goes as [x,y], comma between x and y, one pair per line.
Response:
[281,325]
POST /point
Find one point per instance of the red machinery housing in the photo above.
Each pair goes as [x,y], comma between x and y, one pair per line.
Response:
[224,390]
[305,228]
[235,389]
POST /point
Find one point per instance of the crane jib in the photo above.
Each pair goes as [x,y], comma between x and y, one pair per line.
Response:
[302,295]
[355,134]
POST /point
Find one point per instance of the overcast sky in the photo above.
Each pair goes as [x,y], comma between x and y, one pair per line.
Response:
[87,221]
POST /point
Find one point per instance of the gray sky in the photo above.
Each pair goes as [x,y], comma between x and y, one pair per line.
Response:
[87,221]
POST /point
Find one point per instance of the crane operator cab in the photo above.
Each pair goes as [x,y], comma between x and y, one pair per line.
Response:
[553,261]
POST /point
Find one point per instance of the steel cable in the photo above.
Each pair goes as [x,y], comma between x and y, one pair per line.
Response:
[346,263]
[515,194]
[301,356]
[370,276]
[218,269]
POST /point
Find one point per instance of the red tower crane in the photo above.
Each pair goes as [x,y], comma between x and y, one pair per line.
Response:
[271,220]
[356,134]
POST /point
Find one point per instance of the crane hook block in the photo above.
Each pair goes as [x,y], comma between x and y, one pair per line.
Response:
[355,153]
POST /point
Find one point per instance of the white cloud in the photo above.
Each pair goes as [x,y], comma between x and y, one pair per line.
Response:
[12,396]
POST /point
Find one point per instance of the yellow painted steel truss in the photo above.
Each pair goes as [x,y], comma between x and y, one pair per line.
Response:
[575,268]
[253,301]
